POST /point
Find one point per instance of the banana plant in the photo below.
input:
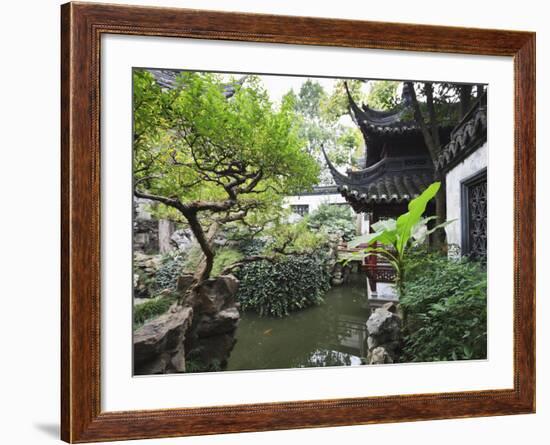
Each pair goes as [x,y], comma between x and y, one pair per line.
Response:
[395,237]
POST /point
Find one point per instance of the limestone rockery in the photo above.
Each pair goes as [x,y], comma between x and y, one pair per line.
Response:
[201,337]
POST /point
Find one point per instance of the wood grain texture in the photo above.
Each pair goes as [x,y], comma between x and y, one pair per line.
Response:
[82,26]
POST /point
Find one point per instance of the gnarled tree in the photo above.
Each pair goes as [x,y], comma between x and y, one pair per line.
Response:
[213,159]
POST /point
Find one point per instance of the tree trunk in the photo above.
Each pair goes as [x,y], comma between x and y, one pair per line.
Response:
[465,99]
[431,139]
[206,261]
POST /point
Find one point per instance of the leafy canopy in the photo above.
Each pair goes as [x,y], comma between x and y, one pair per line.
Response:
[334,219]
[321,128]
[383,95]
[192,142]
[337,104]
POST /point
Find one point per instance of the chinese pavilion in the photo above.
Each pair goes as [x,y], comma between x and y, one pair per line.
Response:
[398,168]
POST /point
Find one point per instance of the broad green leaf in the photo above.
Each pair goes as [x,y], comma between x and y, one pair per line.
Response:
[386,237]
[370,238]
[363,239]
[384,225]
[383,255]
[417,207]
[380,250]
[420,231]
[440,226]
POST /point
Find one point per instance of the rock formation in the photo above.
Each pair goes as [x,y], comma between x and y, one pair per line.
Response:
[203,335]
[145,269]
[158,344]
[212,335]
[384,339]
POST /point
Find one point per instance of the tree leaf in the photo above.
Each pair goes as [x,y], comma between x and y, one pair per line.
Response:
[385,225]
[407,221]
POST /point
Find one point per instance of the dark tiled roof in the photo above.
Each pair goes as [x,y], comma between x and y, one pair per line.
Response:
[377,117]
[468,135]
[392,122]
[167,79]
[394,128]
[384,122]
[392,180]
[321,190]
[389,188]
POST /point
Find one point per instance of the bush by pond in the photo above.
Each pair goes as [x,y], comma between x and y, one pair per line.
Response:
[173,264]
[152,308]
[169,270]
[334,219]
[225,257]
[445,307]
[279,288]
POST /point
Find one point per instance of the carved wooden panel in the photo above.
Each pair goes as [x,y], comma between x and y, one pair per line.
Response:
[474,216]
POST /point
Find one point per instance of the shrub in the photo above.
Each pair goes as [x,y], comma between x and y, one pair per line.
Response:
[152,308]
[445,308]
[192,258]
[253,246]
[225,257]
[337,219]
[279,288]
[169,270]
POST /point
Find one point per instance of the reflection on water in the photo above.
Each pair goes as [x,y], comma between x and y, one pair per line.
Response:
[332,334]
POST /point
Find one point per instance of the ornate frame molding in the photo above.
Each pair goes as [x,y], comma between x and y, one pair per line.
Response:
[82,25]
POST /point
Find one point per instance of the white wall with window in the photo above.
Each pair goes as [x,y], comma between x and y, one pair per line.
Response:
[302,205]
[469,172]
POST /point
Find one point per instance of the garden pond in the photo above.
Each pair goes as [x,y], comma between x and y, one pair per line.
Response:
[331,334]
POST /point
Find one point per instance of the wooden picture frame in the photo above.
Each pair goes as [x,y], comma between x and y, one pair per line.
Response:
[82,26]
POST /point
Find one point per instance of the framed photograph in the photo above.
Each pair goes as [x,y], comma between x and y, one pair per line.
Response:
[274,222]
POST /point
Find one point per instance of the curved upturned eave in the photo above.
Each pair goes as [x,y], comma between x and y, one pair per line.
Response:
[371,116]
[338,177]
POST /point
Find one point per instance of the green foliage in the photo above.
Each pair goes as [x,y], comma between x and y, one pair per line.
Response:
[351,141]
[170,269]
[225,257]
[294,238]
[146,284]
[278,288]
[334,219]
[152,308]
[445,307]
[175,263]
[337,104]
[310,97]
[253,246]
[189,140]
[192,258]
[396,237]
[320,129]
[383,95]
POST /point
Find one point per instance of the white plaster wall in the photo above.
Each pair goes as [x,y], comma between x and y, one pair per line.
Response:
[314,201]
[471,165]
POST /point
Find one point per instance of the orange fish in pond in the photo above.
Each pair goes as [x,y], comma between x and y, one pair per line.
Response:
[268,332]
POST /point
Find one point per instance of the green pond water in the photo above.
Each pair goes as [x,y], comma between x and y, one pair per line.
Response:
[331,334]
